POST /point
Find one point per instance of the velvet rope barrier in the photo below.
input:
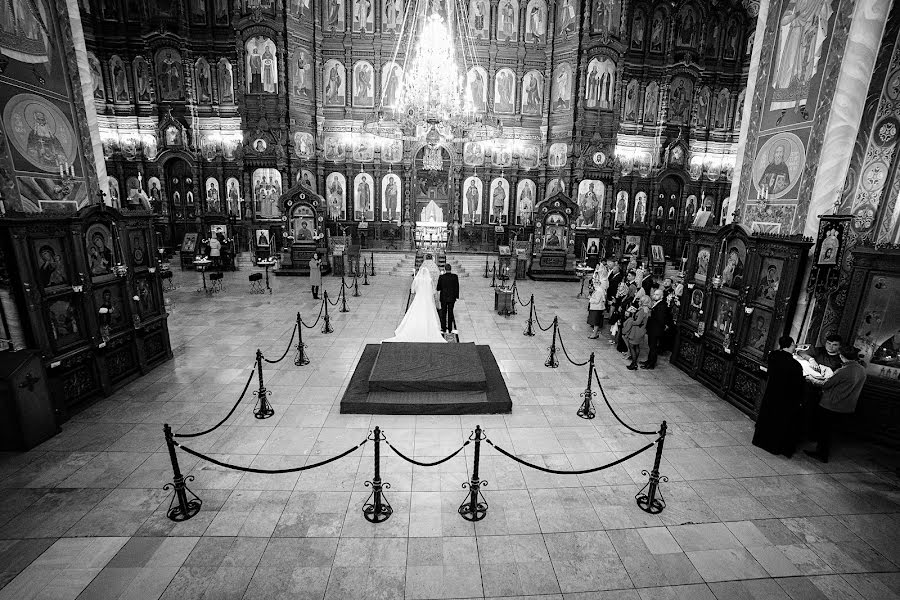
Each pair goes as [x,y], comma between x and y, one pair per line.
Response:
[578,472]
[425,464]
[209,459]
[609,406]
[288,349]
[228,416]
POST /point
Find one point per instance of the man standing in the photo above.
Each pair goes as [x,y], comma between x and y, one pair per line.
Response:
[656,327]
[840,394]
[448,287]
[776,425]
[315,275]
[828,355]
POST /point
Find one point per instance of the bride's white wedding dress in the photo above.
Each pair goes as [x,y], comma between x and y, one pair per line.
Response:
[421,323]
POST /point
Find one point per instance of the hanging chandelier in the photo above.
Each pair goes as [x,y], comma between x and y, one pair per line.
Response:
[431,104]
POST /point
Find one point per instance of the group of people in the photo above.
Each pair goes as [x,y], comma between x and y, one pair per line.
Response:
[641,311]
[809,395]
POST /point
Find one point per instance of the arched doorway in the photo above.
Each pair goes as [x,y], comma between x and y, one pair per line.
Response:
[179,196]
[666,212]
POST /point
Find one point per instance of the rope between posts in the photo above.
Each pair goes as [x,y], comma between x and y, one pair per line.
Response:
[519,299]
[578,472]
[270,471]
[228,416]
[338,299]
[541,327]
[426,464]
[321,308]
[288,349]
[608,405]
[346,285]
[569,358]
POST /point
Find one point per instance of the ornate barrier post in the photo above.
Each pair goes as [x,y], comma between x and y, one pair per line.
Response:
[379,509]
[486,262]
[372,263]
[551,361]
[263,409]
[529,331]
[471,509]
[343,295]
[300,359]
[494,275]
[326,327]
[649,502]
[356,286]
[513,304]
[186,508]
[586,411]
[365,277]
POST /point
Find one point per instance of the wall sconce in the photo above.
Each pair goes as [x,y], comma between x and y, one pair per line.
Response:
[748,310]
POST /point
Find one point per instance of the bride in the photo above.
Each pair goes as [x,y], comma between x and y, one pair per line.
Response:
[420,323]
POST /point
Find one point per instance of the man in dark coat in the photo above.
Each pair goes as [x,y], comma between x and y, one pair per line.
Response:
[656,327]
[448,287]
[776,425]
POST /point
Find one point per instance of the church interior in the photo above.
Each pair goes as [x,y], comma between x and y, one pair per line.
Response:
[191,189]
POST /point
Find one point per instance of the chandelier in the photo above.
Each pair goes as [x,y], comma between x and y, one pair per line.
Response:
[431,104]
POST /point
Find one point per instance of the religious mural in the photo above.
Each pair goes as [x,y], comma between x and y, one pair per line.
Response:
[606,17]
[473,154]
[651,102]
[119,79]
[391,80]
[778,166]
[363,197]
[142,88]
[203,83]
[504,91]
[557,155]
[391,194]
[333,15]
[621,209]
[590,203]
[499,201]
[680,93]
[363,16]
[525,199]
[169,74]
[566,17]
[473,190]
[213,199]
[479,19]
[262,66]
[600,88]
[41,133]
[336,196]
[99,90]
[536,22]
[561,99]
[363,84]
[476,88]
[393,16]
[266,192]
[335,83]
[532,93]
[233,196]
[302,77]
[508,21]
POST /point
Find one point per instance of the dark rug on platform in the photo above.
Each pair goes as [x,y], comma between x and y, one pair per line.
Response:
[410,367]
[432,396]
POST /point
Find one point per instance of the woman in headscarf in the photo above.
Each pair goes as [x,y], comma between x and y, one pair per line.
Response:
[634,328]
[597,304]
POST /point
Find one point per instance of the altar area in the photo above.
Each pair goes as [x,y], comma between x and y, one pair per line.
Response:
[431,228]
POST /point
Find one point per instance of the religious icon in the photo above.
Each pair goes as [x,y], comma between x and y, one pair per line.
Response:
[769,279]
[640,207]
[591,195]
[680,101]
[499,201]
[363,84]
[65,327]
[723,316]
[303,223]
[532,93]
[778,165]
[99,249]
[226,82]
[703,255]
[566,19]
[525,202]
[528,156]
[758,334]
[391,76]
[168,70]
[637,30]
[392,151]
[651,102]
[733,272]
[476,88]
[390,198]
[657,32]
[198,11]
[363,200]
[336,190]
[334,15]
[52,268]
[502,156]
[712,37]
[335,83]
[606,16]
[262,238]
[142,80]
[555,235]
[96,77]
[504,91]
[732,37]
[266,192]
[632,245]
[302,75]
[562,88]
[260,146]
[686,25]
[473,154]
[303,144]
[120,83]
[221,11]
[631,100]
[557,155]
[334,148]
[41,132]
[601,83]
[473,189]
[621,206]
[213,203]
[831,233]
[233,192]
[507,20]
[262,66]
[721,114]
[204,84]
[536,22]
[364,148]
[479,18]
[363,16]
[393,16]
[555,186]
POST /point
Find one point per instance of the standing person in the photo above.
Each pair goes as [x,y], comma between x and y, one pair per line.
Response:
[215,250]
[776,424]
[596,306]
[656,327]
[634,328]
[840,393]
[315,275]
[448,287]
[829,356]
[616,275]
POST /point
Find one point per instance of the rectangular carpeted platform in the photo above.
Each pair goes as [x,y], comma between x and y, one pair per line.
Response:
[410,367]
[407,371]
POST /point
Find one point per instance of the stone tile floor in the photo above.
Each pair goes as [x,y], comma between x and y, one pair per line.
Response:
[83,515]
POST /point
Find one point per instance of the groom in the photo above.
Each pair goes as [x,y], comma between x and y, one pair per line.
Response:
[448,286]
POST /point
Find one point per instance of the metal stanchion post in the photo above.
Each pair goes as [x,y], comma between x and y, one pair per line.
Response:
[529,331]
[494,275]
[472,509]
[365,277]
[300,359]
[513,305]
[326,327]
[343,296]
[486,263]
[379,509]
[372,264]
[263,409]
[649,502]
[551,360]
[356,286]
[586,411]
[186,508]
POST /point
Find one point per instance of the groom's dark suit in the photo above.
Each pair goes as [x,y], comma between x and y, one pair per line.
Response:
[448,287]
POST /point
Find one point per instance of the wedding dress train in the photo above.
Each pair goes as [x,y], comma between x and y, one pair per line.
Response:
[420,323]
